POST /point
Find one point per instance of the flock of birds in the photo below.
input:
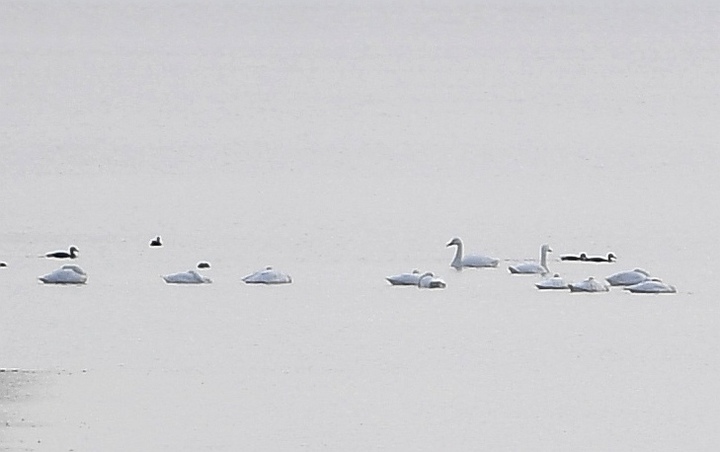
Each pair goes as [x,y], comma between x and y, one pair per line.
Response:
[74,274]
[636,280]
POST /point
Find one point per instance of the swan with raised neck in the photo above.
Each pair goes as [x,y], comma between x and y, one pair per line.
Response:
[473,261]
[533,267]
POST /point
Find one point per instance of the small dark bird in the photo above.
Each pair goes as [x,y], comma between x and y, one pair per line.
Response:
[569,257]
[3,264]
[203,265]
[64,254]
[610,258]
[156,242]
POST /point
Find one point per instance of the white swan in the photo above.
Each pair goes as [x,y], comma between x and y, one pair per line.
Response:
[473,261]
[67,274]
[589,285]
[628,278]
[556,282]
[268,276]
[429,281]
[652,285]
[188,277]
[533,267]
[405,279]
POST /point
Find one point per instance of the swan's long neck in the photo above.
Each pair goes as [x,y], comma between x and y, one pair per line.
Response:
[457,261]
[543,258]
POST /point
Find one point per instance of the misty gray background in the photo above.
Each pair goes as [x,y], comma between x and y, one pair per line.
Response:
[343,142]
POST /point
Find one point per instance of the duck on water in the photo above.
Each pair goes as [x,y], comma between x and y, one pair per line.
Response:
[571,257]
[585,258]
[610,258]
[72,253]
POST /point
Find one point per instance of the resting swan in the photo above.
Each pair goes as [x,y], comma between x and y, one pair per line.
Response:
[428,281]
[556,282]
[533,267]
[188,277]
[268,276]
[652,285]
[589,285]
[473,261]
[67,274]
[628,278]
[405,279]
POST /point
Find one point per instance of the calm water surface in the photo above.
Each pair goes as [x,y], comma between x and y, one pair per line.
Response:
[342,143]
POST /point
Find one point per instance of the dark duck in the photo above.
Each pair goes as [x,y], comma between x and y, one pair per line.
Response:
[72,253]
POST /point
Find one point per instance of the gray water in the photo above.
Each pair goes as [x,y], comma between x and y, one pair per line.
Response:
[343,142]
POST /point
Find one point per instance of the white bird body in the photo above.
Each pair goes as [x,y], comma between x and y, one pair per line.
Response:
[67,274]
[429,281]
[188,277]
[533,267]
[653,285]
[588,285]
[628,278]
[405,279]
[268,276]
[471,261]
[556,282]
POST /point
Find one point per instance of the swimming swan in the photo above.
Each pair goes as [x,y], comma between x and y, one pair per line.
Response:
[589,285]
[188,277]
[268,276]
[556,282]
[533,267]
[67,274]
[652,285]
[156,242]
[628,278]
[610,258]
[473,261]
[72,254]
[405,279]
[428,281]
